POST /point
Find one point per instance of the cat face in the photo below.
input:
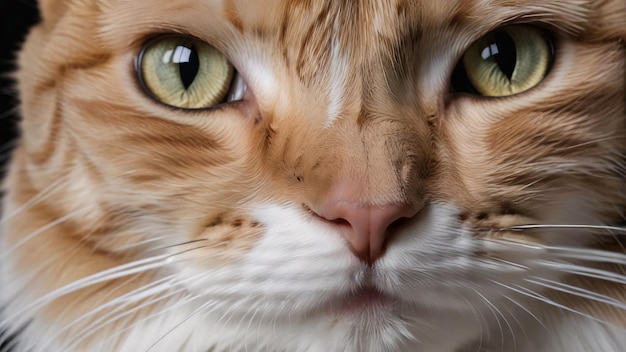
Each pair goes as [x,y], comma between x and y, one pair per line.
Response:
[335,181]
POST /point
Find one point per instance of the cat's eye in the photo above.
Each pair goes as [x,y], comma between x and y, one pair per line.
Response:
[504,62]
[187,73]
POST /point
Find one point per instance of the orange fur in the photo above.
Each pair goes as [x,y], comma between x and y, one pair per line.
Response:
[121,165]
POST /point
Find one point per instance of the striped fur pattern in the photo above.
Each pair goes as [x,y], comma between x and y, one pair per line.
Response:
[131,226]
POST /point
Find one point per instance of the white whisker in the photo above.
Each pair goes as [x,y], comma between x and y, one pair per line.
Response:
[495,310]
[576,291]
[585,271]
[594,255]
[36,199]
[127,269]
[178,304]
[531,294]
[568,227]
[111,317]
[139,244]
[133,296]
[43,229]
[478,316]
[193,314]
[526,310]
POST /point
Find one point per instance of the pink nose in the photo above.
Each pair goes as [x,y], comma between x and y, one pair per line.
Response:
[368,225]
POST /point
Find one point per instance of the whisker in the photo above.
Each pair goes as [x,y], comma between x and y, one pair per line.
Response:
[127,269]
[179,244]
[248,329]
[533,183]
[531,294]
[36,199]
[21,286]
[478,316]
[526,310]
[567,227]
[519,324]
[111,318]
[594,255]
[132,296]
[226,313]
[576,291]
[138,244]
[188,250]
[503,264]
[172,284]
[507,244]
[43,229]
[585,271]
[154,288]
[193,314]
[493,310]
[178,304]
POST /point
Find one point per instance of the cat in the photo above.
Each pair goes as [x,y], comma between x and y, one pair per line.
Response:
[273,175]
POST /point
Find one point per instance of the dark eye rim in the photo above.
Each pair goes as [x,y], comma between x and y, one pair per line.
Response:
[458,73]
[144,87]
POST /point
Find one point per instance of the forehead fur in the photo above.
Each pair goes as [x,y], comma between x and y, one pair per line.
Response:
[349,21]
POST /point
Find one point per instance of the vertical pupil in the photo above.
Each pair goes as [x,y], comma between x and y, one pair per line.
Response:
[188,64]
[507,54]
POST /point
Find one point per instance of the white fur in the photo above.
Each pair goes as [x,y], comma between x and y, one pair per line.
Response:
[339,70]
[281,295]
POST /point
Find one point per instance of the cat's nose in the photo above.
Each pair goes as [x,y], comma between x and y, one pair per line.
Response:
[368,225]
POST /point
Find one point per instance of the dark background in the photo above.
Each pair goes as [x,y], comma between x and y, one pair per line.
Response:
[16,16]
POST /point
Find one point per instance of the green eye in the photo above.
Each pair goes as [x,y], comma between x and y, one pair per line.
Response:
[184,72]
[505,62]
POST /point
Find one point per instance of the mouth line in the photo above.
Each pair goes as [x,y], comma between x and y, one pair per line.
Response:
[362,299]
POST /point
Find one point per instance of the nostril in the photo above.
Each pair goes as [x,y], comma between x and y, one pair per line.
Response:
[339,221]
[336,221]
[399,223]
[368,226]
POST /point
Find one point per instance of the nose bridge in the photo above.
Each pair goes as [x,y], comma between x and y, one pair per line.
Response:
[362,156]
[370,191]
[349,122]
[379,157]
[376,184]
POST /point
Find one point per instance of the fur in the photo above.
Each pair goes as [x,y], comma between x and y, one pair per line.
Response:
[128,225]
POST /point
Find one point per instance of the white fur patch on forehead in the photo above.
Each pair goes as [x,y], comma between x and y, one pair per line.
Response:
[338,82]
